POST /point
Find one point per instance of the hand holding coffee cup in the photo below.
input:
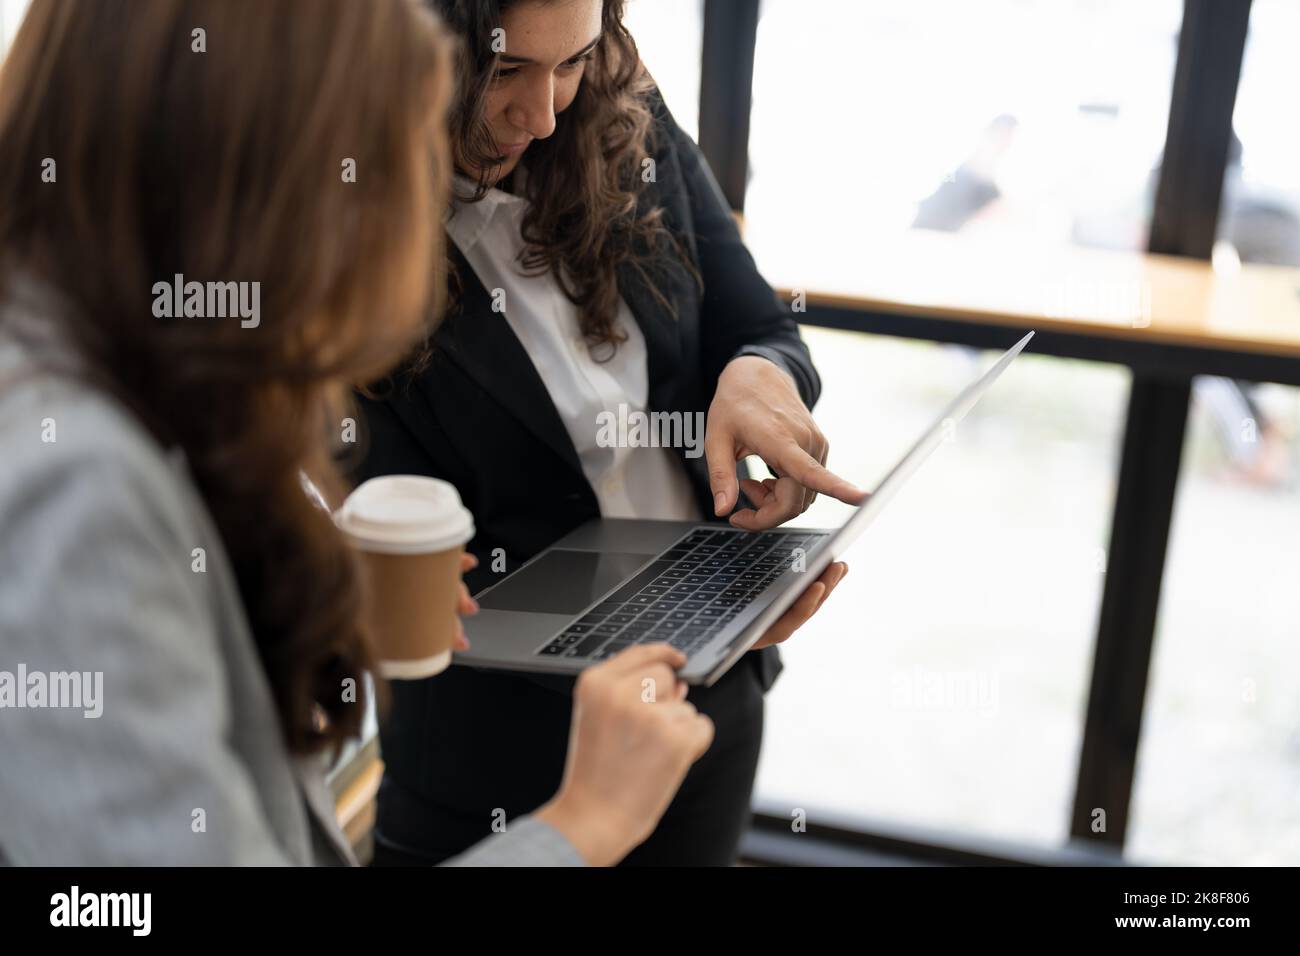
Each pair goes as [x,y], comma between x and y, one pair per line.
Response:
[411,532]
[466,605]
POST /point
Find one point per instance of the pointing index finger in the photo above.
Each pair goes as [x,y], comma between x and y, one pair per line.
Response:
[811,473]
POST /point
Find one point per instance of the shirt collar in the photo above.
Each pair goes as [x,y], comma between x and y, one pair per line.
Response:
[467,221]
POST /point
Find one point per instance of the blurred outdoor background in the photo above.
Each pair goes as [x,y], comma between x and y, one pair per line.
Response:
[944,685]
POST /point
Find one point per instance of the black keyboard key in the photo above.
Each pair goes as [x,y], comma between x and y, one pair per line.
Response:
[640,580]
[587,646]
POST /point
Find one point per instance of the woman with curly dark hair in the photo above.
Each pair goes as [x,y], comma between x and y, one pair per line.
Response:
[595,270]
[161,566]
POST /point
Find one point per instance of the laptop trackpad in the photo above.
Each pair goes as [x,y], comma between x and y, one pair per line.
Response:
[562,582]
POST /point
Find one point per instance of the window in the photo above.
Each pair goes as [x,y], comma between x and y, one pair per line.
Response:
[1219,762]
[1259,219]
[945,684]
[11,15]
[670,34]
[1009,121]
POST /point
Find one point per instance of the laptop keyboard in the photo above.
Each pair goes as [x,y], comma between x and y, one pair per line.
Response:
[686,595]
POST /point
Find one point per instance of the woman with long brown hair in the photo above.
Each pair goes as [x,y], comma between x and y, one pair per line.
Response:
[596,271]
[155,539]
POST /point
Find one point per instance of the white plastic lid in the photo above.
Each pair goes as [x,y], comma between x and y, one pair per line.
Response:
[405,514]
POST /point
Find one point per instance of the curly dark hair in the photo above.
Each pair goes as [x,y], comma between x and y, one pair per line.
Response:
[228,164]
[584,182]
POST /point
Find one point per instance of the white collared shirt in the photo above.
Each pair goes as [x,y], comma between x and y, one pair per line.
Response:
[640,482]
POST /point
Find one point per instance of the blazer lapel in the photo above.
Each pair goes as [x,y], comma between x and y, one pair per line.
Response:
[482,343]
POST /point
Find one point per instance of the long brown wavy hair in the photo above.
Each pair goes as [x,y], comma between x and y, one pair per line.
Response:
[585,180]
[214,139]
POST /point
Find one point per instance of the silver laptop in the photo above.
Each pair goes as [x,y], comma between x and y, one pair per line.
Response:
[710,590]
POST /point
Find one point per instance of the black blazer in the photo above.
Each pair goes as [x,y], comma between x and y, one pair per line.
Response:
[480,417]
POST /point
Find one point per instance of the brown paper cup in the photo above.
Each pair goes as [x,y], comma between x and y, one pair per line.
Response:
[412,611]
[411,533]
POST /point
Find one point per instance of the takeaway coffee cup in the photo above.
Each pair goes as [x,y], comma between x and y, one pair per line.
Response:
[411,532]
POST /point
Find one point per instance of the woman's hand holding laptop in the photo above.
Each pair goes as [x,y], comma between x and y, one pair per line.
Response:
[808,604]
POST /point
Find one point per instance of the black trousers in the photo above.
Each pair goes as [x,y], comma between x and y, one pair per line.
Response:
[469,748]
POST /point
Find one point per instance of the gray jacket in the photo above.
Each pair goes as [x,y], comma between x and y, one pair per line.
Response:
[185,763]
